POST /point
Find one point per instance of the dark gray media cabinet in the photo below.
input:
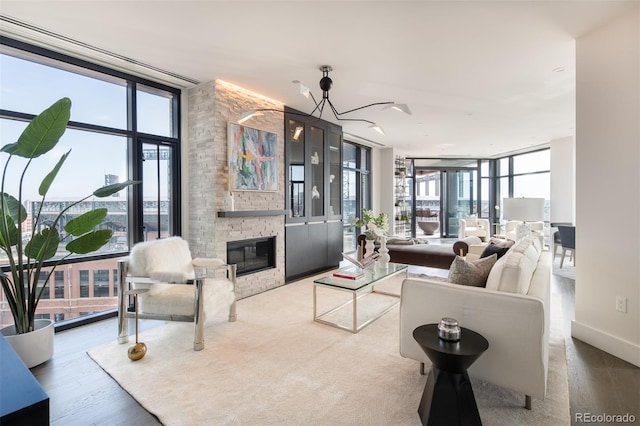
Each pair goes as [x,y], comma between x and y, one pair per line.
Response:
[313,176]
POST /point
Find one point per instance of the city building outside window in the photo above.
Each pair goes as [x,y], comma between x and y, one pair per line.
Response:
[84,283]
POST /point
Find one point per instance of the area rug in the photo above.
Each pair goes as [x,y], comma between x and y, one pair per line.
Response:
[276,366]
[568,270]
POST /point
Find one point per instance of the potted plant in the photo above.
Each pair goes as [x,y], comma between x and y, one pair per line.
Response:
[27,254]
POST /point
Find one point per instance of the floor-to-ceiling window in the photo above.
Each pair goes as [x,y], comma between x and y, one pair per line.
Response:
[446,190]
[356,188]
[121,127]
[526,175]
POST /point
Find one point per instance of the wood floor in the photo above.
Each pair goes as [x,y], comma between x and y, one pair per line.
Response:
[81,393]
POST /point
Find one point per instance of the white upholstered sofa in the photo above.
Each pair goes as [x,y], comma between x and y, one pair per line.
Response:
[512,313]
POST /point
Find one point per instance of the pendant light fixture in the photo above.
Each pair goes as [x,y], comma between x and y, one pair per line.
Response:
[325,85]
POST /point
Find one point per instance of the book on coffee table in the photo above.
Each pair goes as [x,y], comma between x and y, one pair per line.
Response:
[351,273]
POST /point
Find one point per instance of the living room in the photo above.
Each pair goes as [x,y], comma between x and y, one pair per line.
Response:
[605,104]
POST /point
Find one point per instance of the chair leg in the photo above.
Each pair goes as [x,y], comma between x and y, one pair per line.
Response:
[232,309]
[422,368]
[527,402]
[564,252]
[123,325]
[198,317]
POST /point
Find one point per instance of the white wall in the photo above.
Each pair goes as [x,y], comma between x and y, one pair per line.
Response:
[563,180]
[607,189]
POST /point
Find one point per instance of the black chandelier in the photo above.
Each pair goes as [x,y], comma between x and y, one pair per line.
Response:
[325,86]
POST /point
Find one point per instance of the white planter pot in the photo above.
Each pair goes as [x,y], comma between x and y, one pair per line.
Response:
[35,347]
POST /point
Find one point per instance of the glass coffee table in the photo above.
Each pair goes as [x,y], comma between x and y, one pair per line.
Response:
[358,288]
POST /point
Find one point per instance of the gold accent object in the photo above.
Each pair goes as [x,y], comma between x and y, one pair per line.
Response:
[139,350]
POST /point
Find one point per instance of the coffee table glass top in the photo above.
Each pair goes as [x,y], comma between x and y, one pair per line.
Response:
[371,275]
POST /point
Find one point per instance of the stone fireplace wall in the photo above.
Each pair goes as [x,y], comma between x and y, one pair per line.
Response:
[211,106]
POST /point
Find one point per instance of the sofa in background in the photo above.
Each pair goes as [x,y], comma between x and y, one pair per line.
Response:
[429,255]
[512,313]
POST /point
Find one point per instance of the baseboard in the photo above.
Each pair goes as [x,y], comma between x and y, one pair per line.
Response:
[613,345]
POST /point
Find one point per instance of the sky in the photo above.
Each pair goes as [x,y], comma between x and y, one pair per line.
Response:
[29,87]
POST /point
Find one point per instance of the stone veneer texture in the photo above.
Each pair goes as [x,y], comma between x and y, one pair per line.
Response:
[210,106]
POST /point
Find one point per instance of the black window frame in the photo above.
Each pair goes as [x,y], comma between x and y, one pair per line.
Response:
[135,141]
[134,145]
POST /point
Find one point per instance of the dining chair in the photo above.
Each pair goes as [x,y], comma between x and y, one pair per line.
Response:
[568,242]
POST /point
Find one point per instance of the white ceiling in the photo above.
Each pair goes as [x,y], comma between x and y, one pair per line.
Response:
[478,76]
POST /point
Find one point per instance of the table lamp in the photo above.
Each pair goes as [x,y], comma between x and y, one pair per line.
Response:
[525,210]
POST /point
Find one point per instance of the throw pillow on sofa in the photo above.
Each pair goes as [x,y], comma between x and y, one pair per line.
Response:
[493,249]
[472,273]
[501,242]
[513,272]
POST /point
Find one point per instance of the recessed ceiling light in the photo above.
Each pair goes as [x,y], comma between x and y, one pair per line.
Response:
[558,69]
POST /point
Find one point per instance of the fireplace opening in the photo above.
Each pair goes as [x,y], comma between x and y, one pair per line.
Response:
[252,255]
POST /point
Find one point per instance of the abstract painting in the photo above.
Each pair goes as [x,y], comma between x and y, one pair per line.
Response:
[253,159]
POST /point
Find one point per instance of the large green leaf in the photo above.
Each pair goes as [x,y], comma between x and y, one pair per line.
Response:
[85,222]
[43,245]
[90,242]
[10,148]
[13,208]
[48,179]
[105,191]
[13,235]
[44,131]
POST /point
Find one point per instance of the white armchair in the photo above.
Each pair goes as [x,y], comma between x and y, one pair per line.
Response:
[178,287]
[472,226]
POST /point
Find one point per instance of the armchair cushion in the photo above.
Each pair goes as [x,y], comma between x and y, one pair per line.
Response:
[171,277]
[472,220]
[172,299]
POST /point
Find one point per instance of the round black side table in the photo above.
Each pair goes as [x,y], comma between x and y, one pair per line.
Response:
[448,396]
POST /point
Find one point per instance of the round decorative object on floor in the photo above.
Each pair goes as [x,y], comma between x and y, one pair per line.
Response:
[34,347]
[137,351]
